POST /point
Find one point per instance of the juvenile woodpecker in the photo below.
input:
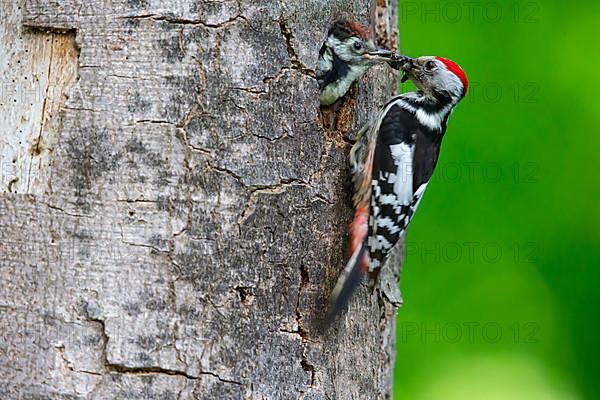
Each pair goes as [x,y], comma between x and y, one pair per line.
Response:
[392,162]
[344,57]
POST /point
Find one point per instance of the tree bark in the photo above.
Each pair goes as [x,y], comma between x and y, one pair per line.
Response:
[174,204]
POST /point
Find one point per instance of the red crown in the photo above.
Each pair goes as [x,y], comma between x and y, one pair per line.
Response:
[359,29]
[456,70]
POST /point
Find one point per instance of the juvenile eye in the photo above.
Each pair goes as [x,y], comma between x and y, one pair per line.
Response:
[357,46]
[430,65]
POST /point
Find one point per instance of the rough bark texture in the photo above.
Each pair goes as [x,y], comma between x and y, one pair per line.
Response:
[173,203]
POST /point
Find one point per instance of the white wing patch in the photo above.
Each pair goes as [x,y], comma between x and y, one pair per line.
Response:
[403,158]
[418,197]
[402,196]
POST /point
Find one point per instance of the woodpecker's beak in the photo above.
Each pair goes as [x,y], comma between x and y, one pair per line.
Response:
[406,64]
[379,55]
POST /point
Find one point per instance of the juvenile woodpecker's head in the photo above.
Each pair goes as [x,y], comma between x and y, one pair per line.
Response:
[436,77]
[344,57]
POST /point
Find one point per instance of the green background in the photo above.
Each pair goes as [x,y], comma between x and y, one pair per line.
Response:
[501,283]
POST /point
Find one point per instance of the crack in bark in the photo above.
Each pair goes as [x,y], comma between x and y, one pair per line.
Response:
[292,54]
[60,350]
[252,90]
[306,366]
[277,187]
[104,338]
[82,109]
[248,210]
[185,21]
[268,79]
[182,136]
[183,139]
[229,172]
[146,370]
[302,332]
[304,281]
[280,187]
[142,201]
[222,379]
[121,369]
[323,199]
[152,121]
[271,139]
[147,246]
[53,207]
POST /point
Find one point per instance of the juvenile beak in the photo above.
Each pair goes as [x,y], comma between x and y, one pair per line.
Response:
[379,55]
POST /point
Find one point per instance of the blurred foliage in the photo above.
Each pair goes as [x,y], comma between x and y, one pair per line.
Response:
[501,282]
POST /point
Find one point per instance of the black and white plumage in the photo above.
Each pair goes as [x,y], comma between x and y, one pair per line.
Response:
[393,161]
[345,56]
[405,154]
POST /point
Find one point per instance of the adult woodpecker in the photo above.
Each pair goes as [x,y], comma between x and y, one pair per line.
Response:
[392,163]
[344,57]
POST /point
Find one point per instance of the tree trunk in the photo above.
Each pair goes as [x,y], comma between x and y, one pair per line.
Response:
[174,204]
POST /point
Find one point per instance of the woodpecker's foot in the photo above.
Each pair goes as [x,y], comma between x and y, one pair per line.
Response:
[356,150]
[362,131]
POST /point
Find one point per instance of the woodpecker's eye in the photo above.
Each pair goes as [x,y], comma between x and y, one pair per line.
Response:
[430,65]
[357,46]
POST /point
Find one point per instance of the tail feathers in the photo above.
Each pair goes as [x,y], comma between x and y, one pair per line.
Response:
[356,266]
[347,283]
[358,230]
